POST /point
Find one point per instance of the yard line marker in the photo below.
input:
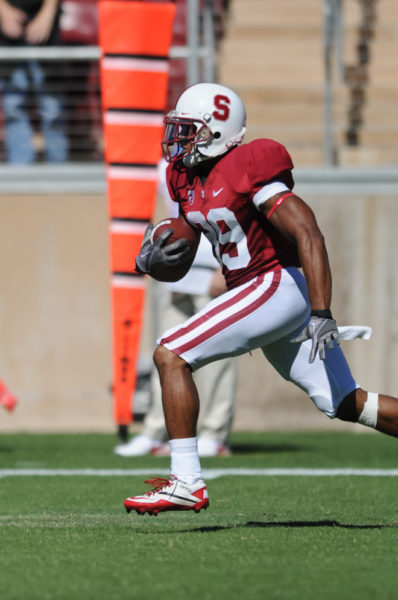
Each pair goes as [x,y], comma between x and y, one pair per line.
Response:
[207,473]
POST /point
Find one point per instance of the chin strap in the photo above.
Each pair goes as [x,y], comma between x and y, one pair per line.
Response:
[194,158]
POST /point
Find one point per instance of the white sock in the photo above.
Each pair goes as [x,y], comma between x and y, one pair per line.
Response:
[185,462]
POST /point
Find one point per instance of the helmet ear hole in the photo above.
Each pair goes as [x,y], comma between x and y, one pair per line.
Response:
[216,135]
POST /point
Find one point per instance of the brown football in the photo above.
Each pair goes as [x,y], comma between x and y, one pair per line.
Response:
[181,229]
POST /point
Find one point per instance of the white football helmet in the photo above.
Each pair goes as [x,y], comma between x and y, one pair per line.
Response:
[207,121]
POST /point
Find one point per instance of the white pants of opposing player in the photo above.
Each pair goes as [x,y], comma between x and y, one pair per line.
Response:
[267,312]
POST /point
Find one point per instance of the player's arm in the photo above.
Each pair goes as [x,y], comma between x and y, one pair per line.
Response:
[39,29]
[12,20]
[295,219]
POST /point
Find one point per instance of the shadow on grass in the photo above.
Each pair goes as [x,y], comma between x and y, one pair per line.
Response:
[288,524]
[254,448]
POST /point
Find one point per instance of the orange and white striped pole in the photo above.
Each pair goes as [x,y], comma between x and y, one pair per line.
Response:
[135,39]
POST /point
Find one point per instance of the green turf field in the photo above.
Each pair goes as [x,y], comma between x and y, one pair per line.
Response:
[286,536]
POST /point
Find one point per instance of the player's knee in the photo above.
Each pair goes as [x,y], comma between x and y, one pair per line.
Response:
[359,407]
[165,359]
[324,404]
[162,357]
[347,410]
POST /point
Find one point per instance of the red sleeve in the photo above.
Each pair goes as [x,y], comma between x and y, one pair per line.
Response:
[264,161]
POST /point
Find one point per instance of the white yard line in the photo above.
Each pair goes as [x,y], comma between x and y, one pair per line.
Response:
[207,473]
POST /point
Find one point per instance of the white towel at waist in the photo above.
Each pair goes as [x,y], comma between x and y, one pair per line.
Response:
[353,332]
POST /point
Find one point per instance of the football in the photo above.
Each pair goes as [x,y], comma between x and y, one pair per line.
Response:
[181,229]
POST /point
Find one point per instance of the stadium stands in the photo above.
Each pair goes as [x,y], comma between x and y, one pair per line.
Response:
[272,54]
[378,132]
[78,77]
[79,27]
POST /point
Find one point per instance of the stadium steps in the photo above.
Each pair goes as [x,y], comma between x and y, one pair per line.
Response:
[378,132]
[272,55]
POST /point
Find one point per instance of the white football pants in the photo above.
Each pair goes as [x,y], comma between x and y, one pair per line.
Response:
[267,312]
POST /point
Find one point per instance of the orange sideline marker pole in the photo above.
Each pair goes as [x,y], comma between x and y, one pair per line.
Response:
[135,39]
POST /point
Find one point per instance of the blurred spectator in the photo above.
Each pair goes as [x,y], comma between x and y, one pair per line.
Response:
[31,23]
[79,27]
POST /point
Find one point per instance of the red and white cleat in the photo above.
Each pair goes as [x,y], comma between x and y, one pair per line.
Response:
[169,494]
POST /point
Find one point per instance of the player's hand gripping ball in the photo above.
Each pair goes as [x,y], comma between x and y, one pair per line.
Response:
[168,250]
[182,243]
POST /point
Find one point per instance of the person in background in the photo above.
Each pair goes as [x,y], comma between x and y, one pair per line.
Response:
[30,23]
[7,399]
[217,381]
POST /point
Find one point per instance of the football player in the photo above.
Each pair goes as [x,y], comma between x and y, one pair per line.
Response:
[241,198]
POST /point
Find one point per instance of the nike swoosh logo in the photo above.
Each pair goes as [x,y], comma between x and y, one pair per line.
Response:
[215,193]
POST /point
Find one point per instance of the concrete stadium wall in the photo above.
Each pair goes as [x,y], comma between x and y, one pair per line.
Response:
[55,349]
[55,312]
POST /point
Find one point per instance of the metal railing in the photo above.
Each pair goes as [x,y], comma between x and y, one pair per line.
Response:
[72,83]
[82,93]
[333,44]
[50,91]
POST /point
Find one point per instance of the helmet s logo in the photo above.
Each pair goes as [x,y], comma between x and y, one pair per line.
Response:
[222,107]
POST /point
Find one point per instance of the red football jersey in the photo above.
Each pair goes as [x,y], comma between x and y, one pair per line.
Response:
[244,241]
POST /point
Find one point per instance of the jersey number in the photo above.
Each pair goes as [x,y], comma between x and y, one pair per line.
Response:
[221,228]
